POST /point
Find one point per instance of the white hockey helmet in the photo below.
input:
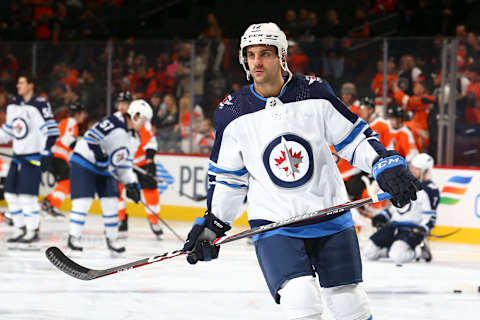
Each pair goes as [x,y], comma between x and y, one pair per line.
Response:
[142,108]
[268,34]
[422,161]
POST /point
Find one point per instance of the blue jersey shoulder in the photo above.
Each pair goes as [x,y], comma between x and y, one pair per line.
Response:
[38,102]
[234,106]
[433,193]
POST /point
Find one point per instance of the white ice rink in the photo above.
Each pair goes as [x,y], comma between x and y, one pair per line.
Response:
[231,287]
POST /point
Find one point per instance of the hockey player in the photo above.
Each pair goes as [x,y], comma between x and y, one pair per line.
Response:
[62,151]
[403,229]
[31,126]
[144,158]
[402,137]
[271,146]
[105,153]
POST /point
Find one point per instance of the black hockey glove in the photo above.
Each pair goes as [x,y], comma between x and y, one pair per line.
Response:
[379,221]
[199,241]
[151,169]
[133,192]
[46,163]
[391,172]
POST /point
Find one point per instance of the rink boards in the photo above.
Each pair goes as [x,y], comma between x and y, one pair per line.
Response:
[458,210]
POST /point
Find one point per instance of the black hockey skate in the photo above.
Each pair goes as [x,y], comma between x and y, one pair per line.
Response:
[74,244]
[47,207]
[19,233]
[29,240]
[114,247]
[156,229]
[425,252]
[123,228]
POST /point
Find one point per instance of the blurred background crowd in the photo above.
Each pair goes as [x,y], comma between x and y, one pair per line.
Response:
[182,57]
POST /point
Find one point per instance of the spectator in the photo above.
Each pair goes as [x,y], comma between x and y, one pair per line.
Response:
[292,27]
[162,81]
[183,73]
[165,118]
[348,95]
[472,111]
[382,7]
[408,74]
[205,137]
[377,82]
[333,58]
[57,96]
[419,104]
[297,61]
[361,24]
[185,127]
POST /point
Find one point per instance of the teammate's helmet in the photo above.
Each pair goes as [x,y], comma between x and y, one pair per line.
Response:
[366,101]
[395,111]
[140,107]
[268,34]
[76,107]
[124,96]
[422,161]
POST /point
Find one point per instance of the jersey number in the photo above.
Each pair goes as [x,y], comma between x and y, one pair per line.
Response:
[106,125]
[47,113]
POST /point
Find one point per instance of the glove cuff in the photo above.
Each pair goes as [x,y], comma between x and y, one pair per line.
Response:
[150,154]
[386,161]
[216,225]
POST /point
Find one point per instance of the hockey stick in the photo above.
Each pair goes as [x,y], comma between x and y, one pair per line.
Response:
[73,269]
[421,231]
[145,173]
[32,162]
[163,221]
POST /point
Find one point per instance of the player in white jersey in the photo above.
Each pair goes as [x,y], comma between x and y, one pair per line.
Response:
[272,148]
[401,230]
[103,156]
[31,127]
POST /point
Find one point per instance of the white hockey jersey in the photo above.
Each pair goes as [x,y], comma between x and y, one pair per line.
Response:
[108,138]
[421,212]
[275,153]
[29,125]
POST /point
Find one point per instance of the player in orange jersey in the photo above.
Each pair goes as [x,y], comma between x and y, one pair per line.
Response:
[403,139]
[62,150]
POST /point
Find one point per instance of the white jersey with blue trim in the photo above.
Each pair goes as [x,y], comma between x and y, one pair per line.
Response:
[109,137]
[421,212]
[28,124]
[275,153]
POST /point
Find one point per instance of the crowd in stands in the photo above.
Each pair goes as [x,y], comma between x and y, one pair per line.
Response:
[320,43]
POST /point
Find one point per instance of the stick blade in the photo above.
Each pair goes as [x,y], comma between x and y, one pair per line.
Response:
[68,266]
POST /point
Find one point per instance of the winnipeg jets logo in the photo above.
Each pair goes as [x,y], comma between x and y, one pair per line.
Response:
[120,156]
[226,101]
[288,160]
[19,128]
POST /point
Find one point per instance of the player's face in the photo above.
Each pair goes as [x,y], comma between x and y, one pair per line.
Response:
[23,87]
[122,106]
[416,172]
[396,123]
[82,117]
[364,112]
[263,63]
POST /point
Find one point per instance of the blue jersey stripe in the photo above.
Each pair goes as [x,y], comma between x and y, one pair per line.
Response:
[239,172]
[232,185]
[355,132]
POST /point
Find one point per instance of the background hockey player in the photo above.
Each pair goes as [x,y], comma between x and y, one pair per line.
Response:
[62,151]
[402,137]
[31,126]
[403,229]
[105,153]
[144,158]
[272,144]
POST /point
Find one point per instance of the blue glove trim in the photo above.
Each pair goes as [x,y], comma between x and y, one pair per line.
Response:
[387,163]
[199,221]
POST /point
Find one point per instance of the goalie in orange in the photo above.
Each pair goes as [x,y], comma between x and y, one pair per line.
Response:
[62,150]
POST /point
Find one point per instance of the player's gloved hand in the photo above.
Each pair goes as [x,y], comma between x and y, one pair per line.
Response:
[133,192]
[379,221]
[151,169]
[199,241]
[391,172]
[102,161]
[46,163]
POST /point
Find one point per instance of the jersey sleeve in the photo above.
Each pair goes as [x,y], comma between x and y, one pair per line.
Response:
[430,199]
[351,137]
[227,174]
[6,131]
[47,125]
[151,140]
